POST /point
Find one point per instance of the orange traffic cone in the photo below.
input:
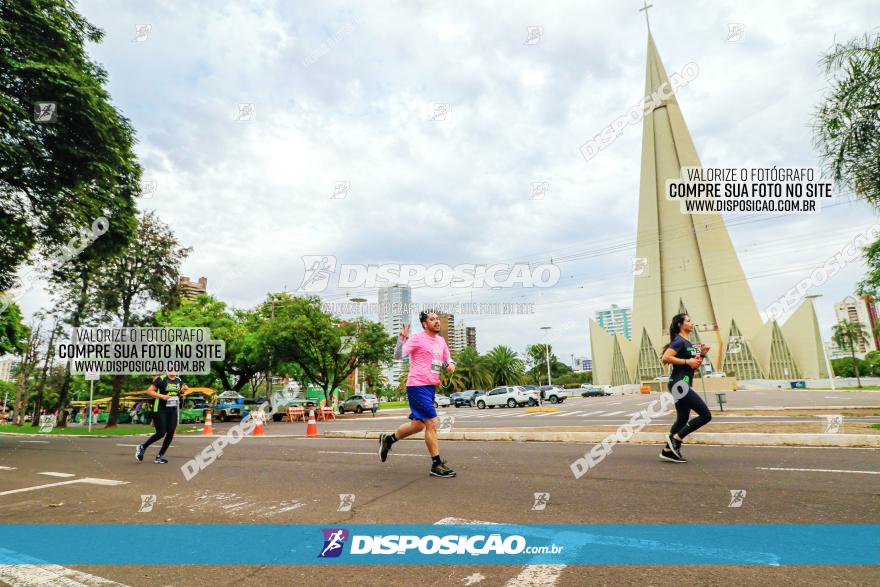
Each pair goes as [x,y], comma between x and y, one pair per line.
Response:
[312,429]
[258,429]
[208,429]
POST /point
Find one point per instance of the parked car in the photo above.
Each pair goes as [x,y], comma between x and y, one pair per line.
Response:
[716,374]
[441,401]
[534,394]
[509,396]
[553,394]
[453,396]
[228,407]
[359,403]
[468,398]
[592,391]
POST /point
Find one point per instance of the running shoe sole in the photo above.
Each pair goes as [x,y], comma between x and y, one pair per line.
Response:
[663,457]
[444,476]
[382,438]
[671,444]
[138,455]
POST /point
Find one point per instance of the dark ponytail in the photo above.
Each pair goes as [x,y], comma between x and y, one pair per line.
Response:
[675,328]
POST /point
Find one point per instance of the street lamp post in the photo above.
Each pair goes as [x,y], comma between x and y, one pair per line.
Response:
[356,387]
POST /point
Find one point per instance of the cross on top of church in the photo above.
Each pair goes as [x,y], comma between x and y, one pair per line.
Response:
[644,9]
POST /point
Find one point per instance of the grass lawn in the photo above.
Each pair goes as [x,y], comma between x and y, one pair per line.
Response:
[877,426]
[390,405]
[96,430]
[862,388]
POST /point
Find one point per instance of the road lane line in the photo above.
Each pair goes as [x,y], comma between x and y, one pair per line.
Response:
[569,413]
[7,468]
[32,572]
[36,441]
[592,413]
[344,452]
[86,480]
[530,575]
[127,444]
[818,470]
[614,413]
[54,474]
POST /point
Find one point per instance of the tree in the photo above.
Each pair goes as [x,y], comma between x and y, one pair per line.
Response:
[504,366]
[241,330]
[144,272]
[61,166]
[847,125]
[470,371]
[13,332]
[847,335]
[47,363]
[325,348]
[374,376]
[30,355]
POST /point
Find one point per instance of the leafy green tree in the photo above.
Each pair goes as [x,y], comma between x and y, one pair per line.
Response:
[470,371]
[847,122]
[242,331]
[146,271]
[848,335]
[872,363]
[505,367]
[847,366]
[325,348]
[63,165]
[13,332]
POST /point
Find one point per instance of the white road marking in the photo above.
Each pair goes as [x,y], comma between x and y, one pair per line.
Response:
[54,474]
[614,413]
[7,468]
[614,404]
[36,441]
[592,413]
[818,470]
[530,575]
[569,413]
[86,480]
[523,415]
[343,452]
[33,572]
[129,444]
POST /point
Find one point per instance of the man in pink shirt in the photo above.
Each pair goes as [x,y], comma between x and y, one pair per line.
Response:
[428,354]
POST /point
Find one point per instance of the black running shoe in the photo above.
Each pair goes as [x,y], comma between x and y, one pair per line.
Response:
[671,457]
[441,470]
[160,460]
[384,446]
[674,445]
[139,452]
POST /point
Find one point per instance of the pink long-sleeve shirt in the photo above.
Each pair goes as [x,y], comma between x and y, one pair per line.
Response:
[427,356]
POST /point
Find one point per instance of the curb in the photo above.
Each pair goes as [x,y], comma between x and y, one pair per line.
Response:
[716,438]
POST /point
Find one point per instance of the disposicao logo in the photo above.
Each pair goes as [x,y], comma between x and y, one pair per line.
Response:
[334,541]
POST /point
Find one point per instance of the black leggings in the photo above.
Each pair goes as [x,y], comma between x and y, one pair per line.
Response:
[683,407]
[165,421]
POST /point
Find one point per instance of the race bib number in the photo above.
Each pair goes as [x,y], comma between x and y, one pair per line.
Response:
[172,401]
[436,366]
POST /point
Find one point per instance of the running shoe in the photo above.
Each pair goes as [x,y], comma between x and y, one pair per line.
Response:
[384,447]
[674,445]
[671,457]
[139,452]
[441,470]
[160,460]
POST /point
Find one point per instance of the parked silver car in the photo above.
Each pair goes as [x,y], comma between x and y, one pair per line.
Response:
[359,403]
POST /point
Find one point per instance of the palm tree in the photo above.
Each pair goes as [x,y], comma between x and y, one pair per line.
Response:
[470,371]
[505,367]
[847,335]
[374,376]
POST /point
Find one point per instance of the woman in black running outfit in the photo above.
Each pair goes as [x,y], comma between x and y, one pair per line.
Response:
[684,358]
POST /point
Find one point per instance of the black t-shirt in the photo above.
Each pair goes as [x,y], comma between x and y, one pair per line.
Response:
[167,386]
[683,350]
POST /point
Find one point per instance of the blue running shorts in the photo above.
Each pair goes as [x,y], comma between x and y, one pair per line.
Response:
[421,402]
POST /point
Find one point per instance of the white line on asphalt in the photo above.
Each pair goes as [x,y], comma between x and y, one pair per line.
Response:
[522,415]
[87,480]
[32,572]
[54,474]
[614,413]
[614,404]
[343,452]
[530,575]
[568,413]
[592,413]
[7,468]
[643,404]
[117,444]
[818,470]
[36,441]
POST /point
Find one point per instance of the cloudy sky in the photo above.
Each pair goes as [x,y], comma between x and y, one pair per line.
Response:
[348,92]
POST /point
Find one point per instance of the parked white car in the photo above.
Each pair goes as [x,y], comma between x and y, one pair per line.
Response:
[441,401]
[716,374]
[504,396]
[554,394]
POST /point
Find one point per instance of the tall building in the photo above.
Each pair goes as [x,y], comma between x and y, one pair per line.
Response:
[395,302]
[6,365]
[447,328]
[616,320]
[862,310]
[581,364]
[190,289]
[687,264]
[470,336]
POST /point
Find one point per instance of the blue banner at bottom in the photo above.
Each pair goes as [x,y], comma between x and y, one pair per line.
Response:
[484,544]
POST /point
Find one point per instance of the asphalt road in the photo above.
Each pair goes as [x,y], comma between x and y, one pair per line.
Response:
[297,481]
